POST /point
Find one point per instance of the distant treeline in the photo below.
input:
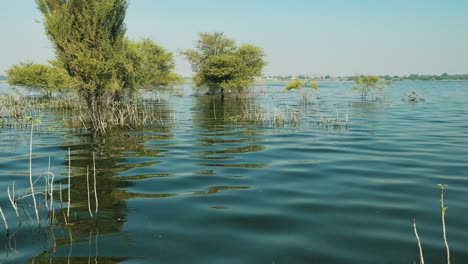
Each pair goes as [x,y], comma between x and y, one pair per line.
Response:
[3,78]
[411,77]
[417,77]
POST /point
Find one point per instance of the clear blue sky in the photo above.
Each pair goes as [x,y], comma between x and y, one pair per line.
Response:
[317,37]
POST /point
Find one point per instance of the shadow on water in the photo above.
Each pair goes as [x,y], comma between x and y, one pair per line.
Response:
[87,239]
[81,237]
[110,158]
[213,118]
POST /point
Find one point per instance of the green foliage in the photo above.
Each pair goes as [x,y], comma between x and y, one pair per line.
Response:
[32,120]
[366,84]
[314,85]
[90,45]
[414,97]
[296,84]
[443,186]
[152,65]
[89,42]
[44,77]
[220,64]
[442,189]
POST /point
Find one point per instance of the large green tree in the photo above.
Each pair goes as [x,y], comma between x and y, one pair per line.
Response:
[90,44]
[46,78]
[220,64]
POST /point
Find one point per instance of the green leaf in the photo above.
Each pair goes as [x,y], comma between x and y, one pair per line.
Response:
[443,186]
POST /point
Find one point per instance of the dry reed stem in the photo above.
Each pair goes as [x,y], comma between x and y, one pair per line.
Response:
[421,258]
[30,175]
[87,188]
[51,185]
[12,201]
[69,183]
[71,245]
[4,220]
[60,195]
[95,185]
[52,194]
[214,108]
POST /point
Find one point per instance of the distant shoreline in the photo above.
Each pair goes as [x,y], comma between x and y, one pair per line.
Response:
[344,81]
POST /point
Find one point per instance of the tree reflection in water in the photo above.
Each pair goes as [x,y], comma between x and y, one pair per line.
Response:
[76,240]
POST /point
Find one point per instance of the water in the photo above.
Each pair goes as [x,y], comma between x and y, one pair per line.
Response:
[203,189]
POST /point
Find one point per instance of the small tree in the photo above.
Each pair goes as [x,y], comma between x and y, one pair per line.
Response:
[44,77]
[366,84]
[314,85]
[220,64]
[296,84]
[153,66]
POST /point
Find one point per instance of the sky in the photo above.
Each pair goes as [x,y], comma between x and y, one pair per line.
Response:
[313,37]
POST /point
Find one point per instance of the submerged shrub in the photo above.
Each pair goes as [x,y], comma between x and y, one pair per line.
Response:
[367,84]
[296,84]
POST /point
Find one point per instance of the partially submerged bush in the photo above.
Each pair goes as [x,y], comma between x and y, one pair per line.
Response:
[314,85]
[413,97]
[296,84]
[367,84]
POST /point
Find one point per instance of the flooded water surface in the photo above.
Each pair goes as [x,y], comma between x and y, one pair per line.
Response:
[275,178]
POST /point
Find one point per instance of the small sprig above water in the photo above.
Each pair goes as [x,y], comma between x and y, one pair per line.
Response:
[444,233]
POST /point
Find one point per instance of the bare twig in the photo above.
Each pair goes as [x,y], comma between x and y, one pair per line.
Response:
[87,188]
[421,261]
[71,245]
[95,186]
[69,183]
[12,200]
[30,175]
[444,209]
[60,195]
[4,220]
[51,186]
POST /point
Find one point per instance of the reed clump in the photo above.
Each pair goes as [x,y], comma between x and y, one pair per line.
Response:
[42,199]
[127,114]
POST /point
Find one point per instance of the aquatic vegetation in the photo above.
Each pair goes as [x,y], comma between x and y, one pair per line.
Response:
[306,96]
[45,78]
[367,84]
[296,84]
[43,198]
[413,97]
[107,72]
[32,120]
[314,85]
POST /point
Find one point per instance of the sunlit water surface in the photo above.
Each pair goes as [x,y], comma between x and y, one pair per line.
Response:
[200,188]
